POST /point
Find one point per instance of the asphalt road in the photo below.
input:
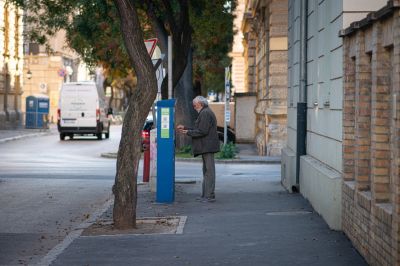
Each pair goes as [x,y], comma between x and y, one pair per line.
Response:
[48,187]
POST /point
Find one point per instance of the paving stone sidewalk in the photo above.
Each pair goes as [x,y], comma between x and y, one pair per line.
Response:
[253,222]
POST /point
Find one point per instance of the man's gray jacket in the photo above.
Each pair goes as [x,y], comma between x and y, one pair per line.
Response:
[204,134]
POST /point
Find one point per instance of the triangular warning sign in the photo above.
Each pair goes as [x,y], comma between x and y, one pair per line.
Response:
[151,45]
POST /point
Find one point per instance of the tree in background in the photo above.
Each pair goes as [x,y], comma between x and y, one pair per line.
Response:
[212,22]
[202,34]
[94,33]
[173,18]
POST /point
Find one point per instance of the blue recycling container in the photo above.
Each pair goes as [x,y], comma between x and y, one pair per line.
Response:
[37,111]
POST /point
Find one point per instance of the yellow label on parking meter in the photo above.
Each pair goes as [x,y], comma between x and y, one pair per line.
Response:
[164,123]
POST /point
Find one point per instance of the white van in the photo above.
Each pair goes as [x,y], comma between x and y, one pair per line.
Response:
[83,109]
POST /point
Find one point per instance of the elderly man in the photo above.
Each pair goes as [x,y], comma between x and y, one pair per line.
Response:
[205,142]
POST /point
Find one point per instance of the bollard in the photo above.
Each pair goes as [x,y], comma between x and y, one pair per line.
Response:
[146,155]
[153,160]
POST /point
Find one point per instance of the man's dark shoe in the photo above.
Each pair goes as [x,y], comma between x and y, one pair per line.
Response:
[208,200]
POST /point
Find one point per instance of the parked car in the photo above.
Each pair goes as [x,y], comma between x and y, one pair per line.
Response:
[230,134]
[148,125]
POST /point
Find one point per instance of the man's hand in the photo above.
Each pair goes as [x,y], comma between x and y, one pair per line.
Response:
[181,129]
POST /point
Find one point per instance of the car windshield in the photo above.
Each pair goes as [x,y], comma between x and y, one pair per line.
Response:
[148,125]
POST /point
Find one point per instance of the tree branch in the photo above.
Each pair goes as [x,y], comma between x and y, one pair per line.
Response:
[184,15]
[158,25]
[170,15]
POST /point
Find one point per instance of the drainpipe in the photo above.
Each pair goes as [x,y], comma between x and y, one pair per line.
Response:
[302,104]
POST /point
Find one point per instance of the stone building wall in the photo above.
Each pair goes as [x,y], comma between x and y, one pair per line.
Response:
[265,49]
[249,52]
[261,69]
[245,130]
[371,135]
[276,94]
[318,173]
[45,80]
[11,57]
[238,74]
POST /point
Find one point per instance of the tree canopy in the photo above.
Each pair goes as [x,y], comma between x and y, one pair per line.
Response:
[93,32]
[212,22]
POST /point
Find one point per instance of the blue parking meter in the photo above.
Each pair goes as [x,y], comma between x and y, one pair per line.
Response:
[165,151]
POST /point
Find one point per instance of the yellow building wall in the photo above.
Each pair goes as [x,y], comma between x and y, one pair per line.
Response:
[11,54]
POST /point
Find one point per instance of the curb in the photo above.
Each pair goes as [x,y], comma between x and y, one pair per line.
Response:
[74,233]
[111,155]
[25,136]
[232,161]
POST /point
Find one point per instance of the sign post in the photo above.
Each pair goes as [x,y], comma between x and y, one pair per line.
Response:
[150,46]
[227,98]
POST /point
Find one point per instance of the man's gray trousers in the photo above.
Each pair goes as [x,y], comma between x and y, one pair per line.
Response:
[208,176]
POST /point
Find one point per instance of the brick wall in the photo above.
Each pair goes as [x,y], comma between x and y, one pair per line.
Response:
[371,135]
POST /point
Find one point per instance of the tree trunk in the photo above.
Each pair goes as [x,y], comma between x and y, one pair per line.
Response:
[197,87]
[184,95]
[179,63]
[105,85]
[125,186]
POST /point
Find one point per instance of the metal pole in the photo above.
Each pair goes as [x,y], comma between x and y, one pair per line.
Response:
[146,159]
[227,94]
[169,67]
[303,52]
[225,127]
[302,104]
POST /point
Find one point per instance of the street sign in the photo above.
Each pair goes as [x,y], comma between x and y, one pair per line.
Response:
[151,45]
[227,107]
[61,72]
[227,76]
[160,73]
[228,116]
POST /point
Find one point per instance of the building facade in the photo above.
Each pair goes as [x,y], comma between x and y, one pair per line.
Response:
[11,65]
[237,51]
[371,135]
[264,29]
[49,71]
[312,159]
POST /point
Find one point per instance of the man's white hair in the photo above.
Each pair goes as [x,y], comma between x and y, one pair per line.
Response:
[200,99]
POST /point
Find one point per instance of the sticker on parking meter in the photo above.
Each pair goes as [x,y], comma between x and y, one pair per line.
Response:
[164,123]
